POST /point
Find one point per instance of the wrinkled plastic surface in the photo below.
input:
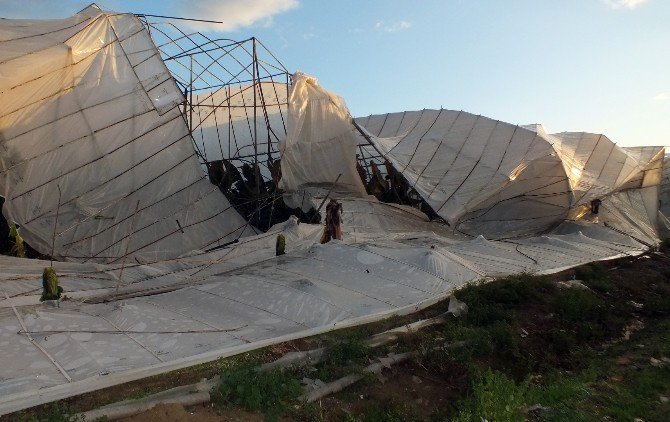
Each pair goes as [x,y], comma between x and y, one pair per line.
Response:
[146,316]
[208,305]
[91,135]
[492,178]
[320,144]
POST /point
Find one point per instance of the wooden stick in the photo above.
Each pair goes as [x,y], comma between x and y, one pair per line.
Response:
[125,254]
[316,355]
[340,384]
[53,238]
[36,344]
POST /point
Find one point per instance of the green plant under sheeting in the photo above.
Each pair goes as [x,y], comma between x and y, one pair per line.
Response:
[18,246]
[50,288]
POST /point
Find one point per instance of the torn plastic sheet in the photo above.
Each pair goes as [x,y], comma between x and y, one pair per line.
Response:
[94,150]
[181,312]
[489,177]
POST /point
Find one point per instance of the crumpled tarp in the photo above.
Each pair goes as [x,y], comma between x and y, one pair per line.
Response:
[91,135]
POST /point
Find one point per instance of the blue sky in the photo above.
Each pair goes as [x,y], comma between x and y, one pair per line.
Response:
[595,65]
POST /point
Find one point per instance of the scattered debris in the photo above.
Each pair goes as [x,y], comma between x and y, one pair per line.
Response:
[656,362]
[187,395]
[635,325]
[375,368]
[456,307]
[623,360]
[572,284]
[538,408]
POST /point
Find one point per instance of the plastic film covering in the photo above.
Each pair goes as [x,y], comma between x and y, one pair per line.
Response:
[170,314]
[91,133]
[633,212]
[226,127]
[320,144]
[492,178]
[595,165]
[481,175]
[651,158]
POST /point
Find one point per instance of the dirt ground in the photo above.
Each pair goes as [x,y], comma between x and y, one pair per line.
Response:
[202,413]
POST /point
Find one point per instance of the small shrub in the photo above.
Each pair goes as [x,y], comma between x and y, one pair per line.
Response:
[349,350]
[388,412]
[561,343]
[503,339]
[601,285]
[55,412]
[657,306]
[499,299]
[494,398]
[268,392]
[18,246]
[50,288]
[592,271]
[575,305]
[476,341]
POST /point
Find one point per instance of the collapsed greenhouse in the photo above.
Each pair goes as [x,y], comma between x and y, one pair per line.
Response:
[158,167]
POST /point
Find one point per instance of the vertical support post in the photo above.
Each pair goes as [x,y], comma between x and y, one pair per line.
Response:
[53,239]
[255,82]
[186,104]
[125,254]
[230,123]
[257,170]
[190,99]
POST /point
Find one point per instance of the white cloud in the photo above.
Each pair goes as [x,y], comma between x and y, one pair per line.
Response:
[48,9]
[392,26]
[663,96]
[234,14]
[624,4]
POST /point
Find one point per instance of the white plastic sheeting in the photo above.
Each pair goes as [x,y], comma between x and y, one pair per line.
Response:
[175,304]
[320,143]
[87,106]
[492,178]
[664,198]
[225,126]
[480,175]
[176,313]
